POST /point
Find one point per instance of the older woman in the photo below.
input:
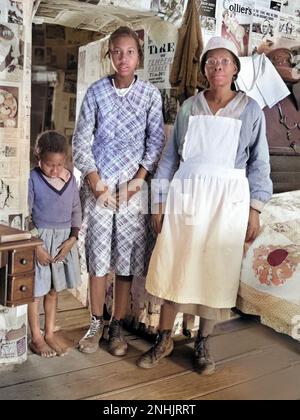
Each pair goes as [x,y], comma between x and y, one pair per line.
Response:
[218,163]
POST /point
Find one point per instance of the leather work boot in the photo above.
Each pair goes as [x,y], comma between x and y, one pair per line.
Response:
[90,342]
[117,346]
[162,347]
[203,360]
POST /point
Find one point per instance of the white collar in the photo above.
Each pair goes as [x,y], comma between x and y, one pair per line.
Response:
[122,91]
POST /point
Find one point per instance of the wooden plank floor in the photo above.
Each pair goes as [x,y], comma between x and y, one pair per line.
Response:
[253,362]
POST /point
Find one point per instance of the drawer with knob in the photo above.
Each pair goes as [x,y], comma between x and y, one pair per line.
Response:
[20,289]
[20,261]
[17,269]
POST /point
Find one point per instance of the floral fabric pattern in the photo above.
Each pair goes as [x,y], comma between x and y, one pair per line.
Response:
[273,265]
[270,274]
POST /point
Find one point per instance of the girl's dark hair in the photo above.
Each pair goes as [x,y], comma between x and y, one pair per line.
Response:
[50,142]
[125,31]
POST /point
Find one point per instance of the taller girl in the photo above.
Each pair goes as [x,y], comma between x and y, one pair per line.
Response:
[117,143]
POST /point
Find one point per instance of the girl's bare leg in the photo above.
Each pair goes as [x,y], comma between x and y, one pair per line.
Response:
[38,344]
[122,291]
[50,305]
[97,294]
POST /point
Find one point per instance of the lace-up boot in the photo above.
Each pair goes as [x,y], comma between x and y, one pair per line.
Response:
[117,346]
[162,347]
[90,342]
[203,360]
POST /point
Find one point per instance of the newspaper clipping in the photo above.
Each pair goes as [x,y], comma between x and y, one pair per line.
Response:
[158,59]
[128,4]
[264,29]
[11,51]
[207,10]
[11,11]
[171,11]
[289,29]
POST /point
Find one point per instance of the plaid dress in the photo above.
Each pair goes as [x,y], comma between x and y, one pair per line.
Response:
[115,135]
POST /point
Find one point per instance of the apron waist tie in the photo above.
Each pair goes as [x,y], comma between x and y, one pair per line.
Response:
[194,167]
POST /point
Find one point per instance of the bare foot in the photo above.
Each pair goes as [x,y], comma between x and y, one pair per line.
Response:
[57,344]
[41,348]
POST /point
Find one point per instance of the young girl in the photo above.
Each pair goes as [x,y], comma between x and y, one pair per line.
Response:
[117,143]
[55,209]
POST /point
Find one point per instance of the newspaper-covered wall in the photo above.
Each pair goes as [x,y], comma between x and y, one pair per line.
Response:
[106,15]
[252,25]
[15,102]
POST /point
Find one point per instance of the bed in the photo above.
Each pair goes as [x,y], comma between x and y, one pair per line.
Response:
[270,276]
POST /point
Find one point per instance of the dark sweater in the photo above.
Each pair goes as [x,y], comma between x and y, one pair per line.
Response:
[50,208]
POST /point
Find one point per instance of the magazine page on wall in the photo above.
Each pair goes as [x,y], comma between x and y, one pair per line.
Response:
[234,20]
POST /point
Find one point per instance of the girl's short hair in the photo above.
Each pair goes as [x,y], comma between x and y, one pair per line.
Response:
[50,142]
[123,31]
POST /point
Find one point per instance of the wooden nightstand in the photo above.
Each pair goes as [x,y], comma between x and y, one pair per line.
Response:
[17,267]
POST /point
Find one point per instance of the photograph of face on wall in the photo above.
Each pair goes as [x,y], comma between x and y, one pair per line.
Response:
[9,98]
[264,28]
[15,220]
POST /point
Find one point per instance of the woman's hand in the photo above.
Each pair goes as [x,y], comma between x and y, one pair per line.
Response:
[106,199]
[127,190]
[158,218]
[101,191]
[42,256]
[253,225]
[64,249]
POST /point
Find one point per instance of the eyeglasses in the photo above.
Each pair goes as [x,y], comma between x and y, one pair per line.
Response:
[212,62]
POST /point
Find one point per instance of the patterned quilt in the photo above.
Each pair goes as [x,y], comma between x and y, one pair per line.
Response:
[270,277]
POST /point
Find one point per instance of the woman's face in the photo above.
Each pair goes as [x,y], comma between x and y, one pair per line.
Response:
[265,27]
[52,164]
[220,68]
[16,222]
[124,56]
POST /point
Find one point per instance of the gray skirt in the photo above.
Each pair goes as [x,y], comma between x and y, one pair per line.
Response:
[61,275]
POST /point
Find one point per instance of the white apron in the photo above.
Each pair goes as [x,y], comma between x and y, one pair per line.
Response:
[197,257]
